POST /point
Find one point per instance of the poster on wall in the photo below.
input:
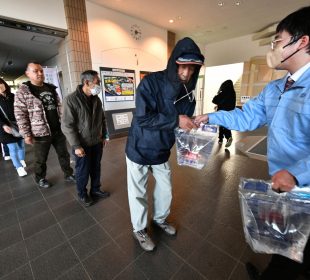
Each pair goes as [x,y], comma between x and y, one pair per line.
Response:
[118,84]
[51,77]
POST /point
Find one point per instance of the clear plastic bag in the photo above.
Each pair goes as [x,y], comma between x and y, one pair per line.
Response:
[195,147]
[275,223]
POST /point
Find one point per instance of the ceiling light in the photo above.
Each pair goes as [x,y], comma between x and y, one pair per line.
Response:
[179,17]
[237,3]
[220,4]
[171,21]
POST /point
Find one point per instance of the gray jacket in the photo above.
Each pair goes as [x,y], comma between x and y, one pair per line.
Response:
[83,120]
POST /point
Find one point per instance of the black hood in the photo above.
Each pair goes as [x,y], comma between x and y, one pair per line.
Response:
[184,46]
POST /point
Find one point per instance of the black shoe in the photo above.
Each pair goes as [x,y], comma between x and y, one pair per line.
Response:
[86,200]
[252,271]
[70,178]
[100,194]
[43,183]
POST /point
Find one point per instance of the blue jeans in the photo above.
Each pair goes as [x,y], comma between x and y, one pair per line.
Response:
[17,152]
[88,166]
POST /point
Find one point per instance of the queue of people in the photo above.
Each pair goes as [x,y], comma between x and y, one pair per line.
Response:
[165,101]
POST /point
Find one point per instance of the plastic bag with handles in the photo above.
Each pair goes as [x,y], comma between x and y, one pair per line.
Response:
[195,147]
[275,223]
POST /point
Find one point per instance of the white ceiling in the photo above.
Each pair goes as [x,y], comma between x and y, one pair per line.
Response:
[203,20]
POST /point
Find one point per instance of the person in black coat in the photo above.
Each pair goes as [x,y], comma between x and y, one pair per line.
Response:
[7,119]
[225,100]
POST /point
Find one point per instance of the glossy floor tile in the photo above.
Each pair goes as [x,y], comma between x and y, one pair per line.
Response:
[48,234]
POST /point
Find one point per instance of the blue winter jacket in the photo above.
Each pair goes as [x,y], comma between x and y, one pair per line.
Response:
[151,135]
[287,115]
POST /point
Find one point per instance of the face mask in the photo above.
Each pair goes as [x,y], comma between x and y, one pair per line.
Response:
[95,90]
[275,57]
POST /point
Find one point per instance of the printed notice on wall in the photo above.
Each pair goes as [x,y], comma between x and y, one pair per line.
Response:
[51,77]
[122,120]
[118,84]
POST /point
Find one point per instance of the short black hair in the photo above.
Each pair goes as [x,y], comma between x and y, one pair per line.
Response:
[297,24]
[88,75]
[32,62]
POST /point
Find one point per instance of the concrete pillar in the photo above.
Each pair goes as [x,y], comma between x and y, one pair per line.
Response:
[74,51]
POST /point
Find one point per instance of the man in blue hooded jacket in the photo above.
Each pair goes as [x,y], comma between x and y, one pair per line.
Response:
[164,101]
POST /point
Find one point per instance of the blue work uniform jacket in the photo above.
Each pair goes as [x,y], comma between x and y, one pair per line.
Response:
[287,115]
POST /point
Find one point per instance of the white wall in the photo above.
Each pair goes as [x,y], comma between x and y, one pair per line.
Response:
[44,12]
[214,77]
[112,45]
[234,50]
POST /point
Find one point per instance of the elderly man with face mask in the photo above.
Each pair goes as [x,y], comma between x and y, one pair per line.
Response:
[83,123]
[284,106]
[164,101]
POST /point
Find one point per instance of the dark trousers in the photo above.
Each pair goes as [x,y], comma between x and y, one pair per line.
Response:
[41,149]
[6,151]
[88,166]
[224,132]
[286,269]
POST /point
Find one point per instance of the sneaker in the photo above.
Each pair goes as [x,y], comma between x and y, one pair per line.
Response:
[23,163]
[7,158]
[145,241]
[43,183]
[229,141]
[21,171]
[166,227]
[100,194]
[86,200]
[70,178]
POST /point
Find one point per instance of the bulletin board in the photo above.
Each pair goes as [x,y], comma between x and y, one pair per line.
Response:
[118,84]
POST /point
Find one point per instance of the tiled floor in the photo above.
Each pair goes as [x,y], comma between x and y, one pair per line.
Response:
[47,234]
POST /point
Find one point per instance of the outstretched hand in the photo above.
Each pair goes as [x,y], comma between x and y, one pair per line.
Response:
[201,119]
[186,123]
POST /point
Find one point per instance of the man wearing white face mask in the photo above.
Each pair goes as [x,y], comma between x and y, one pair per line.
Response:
[37,111]
[83,123]
[284,106]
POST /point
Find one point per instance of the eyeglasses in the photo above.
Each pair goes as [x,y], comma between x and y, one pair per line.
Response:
[190,95]
[274,42]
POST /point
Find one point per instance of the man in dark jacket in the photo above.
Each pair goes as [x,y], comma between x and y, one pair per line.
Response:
[164,101]
[83,123]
